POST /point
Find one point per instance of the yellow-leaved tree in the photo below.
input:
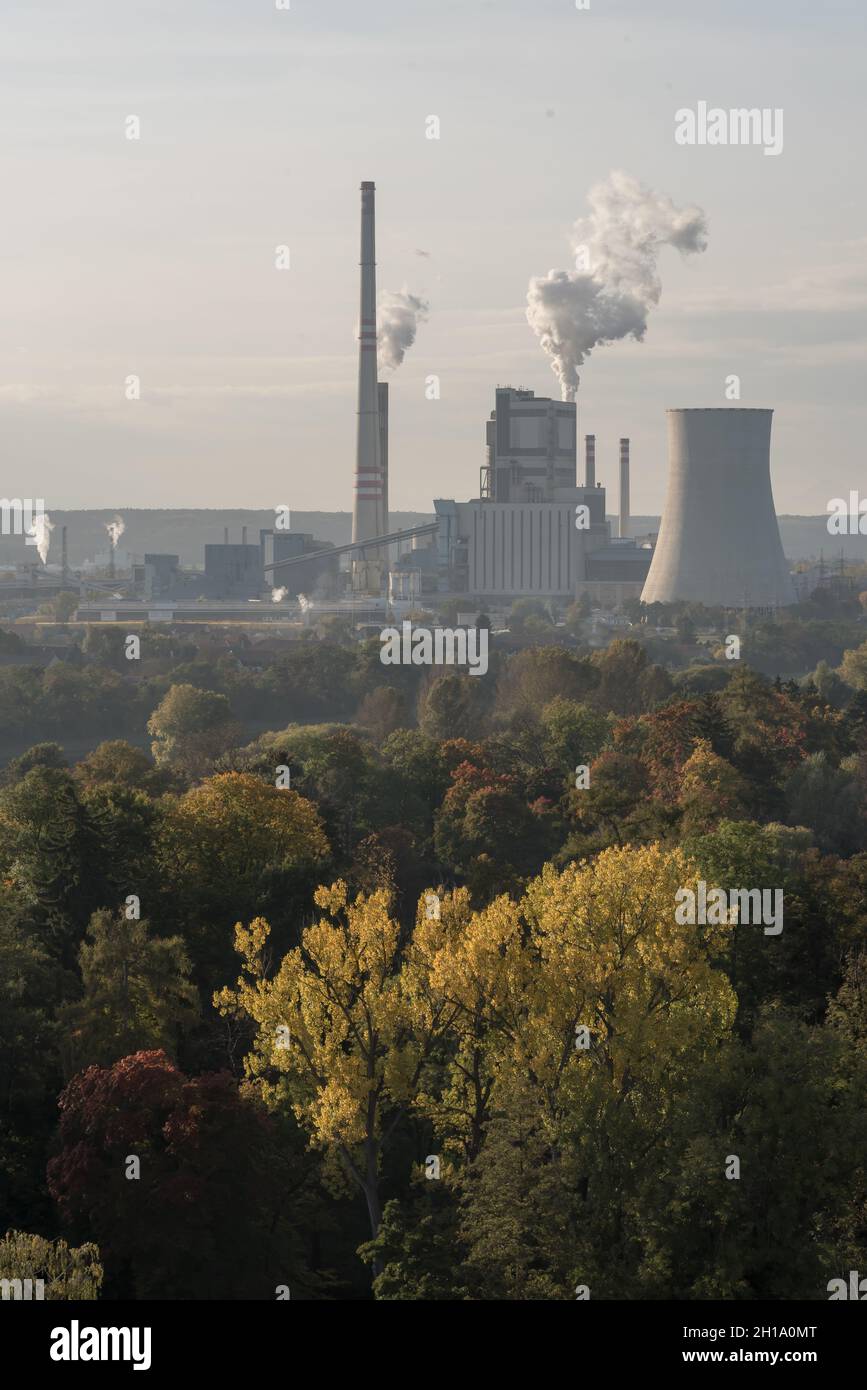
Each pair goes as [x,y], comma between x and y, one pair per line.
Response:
[473,966]
[345,1026]
[611,959]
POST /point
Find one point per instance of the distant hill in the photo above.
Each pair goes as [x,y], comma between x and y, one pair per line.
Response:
[803,537]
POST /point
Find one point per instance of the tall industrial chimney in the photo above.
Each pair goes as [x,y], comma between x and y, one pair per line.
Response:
[719,542]
[624,488]
[243,535]
[225,535]
[368,507]
[590,460]
[382,402]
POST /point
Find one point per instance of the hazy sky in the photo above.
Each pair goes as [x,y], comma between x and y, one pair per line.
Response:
[156,256]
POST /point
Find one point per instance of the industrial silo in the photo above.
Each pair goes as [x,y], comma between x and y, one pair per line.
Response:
[719,543]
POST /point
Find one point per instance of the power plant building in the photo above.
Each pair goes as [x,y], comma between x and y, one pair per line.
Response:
[534,531]
[719,542]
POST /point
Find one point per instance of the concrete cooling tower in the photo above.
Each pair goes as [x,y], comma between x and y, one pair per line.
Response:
[719,543]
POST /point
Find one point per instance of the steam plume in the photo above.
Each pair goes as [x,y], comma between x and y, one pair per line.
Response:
[278,595]
[115,530]
[41,529]
[399,314]
[611,294]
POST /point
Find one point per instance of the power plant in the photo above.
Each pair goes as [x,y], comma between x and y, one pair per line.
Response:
[719,542]
[533,529]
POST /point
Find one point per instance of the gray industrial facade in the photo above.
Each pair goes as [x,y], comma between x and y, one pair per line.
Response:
[533,531]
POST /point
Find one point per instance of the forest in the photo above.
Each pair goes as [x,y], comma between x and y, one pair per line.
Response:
[331,980]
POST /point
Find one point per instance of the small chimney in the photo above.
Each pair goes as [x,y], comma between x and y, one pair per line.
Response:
[225,535]
[624,488]
[243,535]
[382,402]
[590,460]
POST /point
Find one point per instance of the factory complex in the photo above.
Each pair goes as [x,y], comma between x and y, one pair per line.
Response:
[533,530]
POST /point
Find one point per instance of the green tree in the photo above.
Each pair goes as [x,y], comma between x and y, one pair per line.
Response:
[137,994]
[453,706]
[853,667]
[191,728]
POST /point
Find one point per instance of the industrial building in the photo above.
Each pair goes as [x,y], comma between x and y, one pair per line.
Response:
[533,529]
[719,542]
[309,575]
[530,447]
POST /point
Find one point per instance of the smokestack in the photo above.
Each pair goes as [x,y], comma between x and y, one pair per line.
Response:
[243,535]
[590,460]
[64,554]
[368,508]
[382,401]
[225,535]
[624,488]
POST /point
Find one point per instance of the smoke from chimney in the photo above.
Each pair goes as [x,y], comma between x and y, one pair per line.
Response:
[115,530]
[611,294]
[399,314]
[42,528]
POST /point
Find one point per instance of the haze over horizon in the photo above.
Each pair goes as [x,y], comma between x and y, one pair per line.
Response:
[156,257]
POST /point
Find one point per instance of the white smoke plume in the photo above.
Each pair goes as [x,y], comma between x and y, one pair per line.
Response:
[115,530]
[41,529]
[398,316]
[278,595]
[616,285]
[304,603]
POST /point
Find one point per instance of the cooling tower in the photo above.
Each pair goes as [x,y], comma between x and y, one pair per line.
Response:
[719,543]
[368,508]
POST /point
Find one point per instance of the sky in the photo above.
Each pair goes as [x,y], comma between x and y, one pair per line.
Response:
[155,257]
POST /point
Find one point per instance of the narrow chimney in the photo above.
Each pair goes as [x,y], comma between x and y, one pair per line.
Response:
[64,554]
[243,535]
[382,389]
[590,460]
[368,508]
[624,488]
[225,535]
